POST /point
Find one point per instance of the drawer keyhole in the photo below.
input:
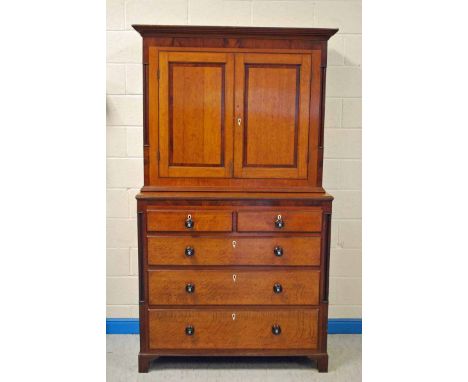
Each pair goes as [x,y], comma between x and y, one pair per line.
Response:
[189,222]
[279,222]
[234,277]
[233,316]
[234,243]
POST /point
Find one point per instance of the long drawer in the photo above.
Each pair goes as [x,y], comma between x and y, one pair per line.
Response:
[187,250]
[280,220]
[233,287]
[233,328]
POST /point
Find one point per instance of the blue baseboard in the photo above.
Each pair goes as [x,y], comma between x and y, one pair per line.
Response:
[345,326]
[122,326]
[335,326]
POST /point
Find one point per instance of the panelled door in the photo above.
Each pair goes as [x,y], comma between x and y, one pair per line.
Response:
[196,92]
[202,95]
[272,93]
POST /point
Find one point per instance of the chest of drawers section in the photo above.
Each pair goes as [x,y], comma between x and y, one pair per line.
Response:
[233,277]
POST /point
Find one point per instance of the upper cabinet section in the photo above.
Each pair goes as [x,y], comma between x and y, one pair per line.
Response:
[229,108]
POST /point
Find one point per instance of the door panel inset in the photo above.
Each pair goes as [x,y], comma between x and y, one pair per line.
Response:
[195,114]
[270,111]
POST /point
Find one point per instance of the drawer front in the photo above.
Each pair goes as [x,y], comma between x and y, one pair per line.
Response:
[186,250]
[189,221]
[233,329]
[280,221]
[233,287]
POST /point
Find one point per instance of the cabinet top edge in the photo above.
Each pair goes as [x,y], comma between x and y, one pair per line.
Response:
[234,31]
[323,196]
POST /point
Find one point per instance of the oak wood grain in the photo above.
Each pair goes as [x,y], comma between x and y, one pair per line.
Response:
[170,250]
[220,221]
[219,329]
[294,221]
[233,287]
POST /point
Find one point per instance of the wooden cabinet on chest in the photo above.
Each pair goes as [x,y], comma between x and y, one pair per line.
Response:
[233,222]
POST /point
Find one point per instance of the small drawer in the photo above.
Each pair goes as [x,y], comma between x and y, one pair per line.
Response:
[309,220]
[233,328]
[189,221]
[187,250]
[233,287]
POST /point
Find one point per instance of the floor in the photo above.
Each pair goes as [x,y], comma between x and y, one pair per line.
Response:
[344,364]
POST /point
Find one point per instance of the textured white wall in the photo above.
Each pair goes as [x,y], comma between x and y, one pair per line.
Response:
[342,168]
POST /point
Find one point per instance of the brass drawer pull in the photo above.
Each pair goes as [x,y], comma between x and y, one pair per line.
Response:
[278,251]
[277,288]
[190,288]
[276,330]
[190,330]
[189,251]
